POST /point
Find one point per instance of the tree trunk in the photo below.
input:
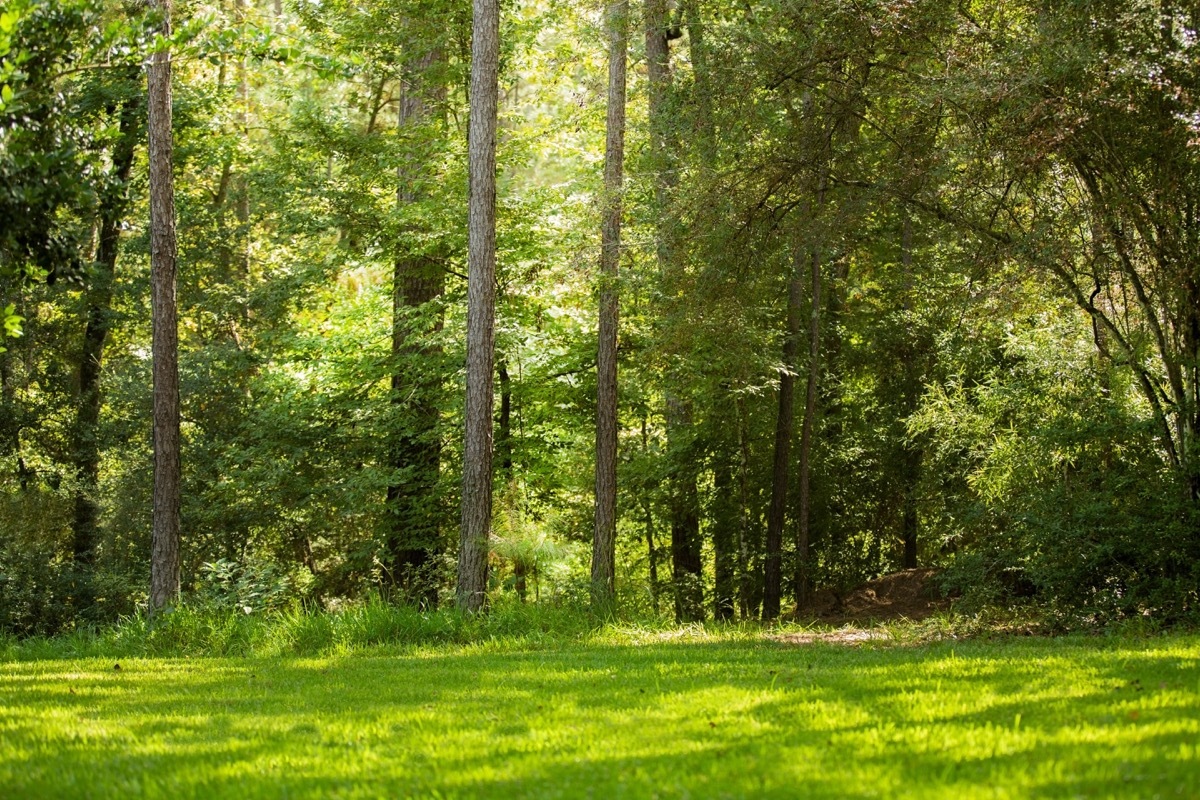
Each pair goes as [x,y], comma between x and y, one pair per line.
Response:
[687,566]
[803,580]
[481,272]
[912,381]
[648,517]
[415,537]
[784,425]
[605,535]
[414,540]
[685,499]
[504,448]
[85,524]
[750,587]
[504,438]
[242,183]
[164,555]
[725,534]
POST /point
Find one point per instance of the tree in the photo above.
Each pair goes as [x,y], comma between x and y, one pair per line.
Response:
[113,208]
[417,281]
[605,535]
[164,564]
[481,311]
[682,468]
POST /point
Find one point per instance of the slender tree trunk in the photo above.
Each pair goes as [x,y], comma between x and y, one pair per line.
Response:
[164,555]
[481,311]
[504,448]
[242,183]
[803,576]
[784,426]
[520,579]
[725,534]
[605,535]
[648,519]
[685,499]
[912,455]
[687,565]
[749,539]
[504,437]
[702,87]
[803,581]
[85,525]
[415,538]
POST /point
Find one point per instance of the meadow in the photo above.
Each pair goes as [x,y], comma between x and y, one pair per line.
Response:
[611,712]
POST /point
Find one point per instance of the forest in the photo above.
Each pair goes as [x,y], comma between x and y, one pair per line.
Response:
[695,310]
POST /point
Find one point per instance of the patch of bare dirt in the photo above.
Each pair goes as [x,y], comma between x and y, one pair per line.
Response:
[843,636]
[909,594]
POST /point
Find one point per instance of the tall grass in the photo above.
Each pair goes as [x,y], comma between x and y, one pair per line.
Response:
[198,630]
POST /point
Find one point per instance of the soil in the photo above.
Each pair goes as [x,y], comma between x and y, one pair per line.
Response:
[909,594]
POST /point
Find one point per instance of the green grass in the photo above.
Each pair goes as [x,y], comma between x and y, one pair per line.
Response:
[614,714]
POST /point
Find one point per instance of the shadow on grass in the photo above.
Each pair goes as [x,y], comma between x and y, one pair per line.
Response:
[735,719]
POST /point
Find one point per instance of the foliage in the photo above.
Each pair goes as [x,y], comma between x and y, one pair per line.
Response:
[1002,211]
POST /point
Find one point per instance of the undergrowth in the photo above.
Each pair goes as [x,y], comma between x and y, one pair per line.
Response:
[199,629]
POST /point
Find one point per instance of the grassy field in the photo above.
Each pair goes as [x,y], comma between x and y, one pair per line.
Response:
[690,714]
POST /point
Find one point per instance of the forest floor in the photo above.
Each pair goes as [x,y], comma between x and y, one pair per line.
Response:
[870,611]
[907,595]
[699,713]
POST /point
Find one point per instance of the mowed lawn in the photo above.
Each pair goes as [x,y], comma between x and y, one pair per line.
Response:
[694,716]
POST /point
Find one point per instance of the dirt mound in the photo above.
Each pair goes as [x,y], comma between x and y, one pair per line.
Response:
[909,594]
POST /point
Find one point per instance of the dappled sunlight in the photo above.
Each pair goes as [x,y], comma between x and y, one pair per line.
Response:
[1020,717]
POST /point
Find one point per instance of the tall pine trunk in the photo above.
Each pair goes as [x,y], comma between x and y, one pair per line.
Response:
[605,535]
[481,311]
[164,550]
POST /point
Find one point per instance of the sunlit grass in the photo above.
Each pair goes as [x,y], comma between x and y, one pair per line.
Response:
[618,715]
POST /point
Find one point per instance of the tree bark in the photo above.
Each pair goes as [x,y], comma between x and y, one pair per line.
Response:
[784,426]
[504,437]
[414,540]
[685,499]
[725,534]
[242,182]
[750,588]
[648,519]
[164,555]
[911,454]
[605,534]
[504,448]
[687,565]
[481,278]
[802,584]
[803,579]
[86,446]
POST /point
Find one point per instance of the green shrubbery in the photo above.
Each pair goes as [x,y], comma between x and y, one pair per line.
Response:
[1063,498]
